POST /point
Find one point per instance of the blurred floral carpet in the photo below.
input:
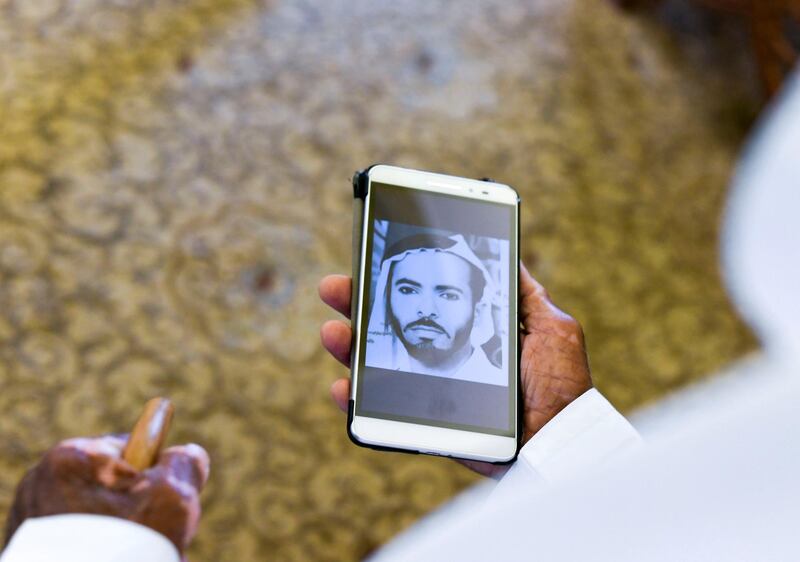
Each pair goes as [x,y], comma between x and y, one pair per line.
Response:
[174,181]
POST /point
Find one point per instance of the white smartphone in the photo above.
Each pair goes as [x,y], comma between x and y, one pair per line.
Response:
[435,360]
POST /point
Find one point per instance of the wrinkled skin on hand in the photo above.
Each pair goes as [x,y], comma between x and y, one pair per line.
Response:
[90,476]
[554,369]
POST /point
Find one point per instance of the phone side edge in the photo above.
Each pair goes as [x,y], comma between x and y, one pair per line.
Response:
[360,193]
[360,190]
[520,397]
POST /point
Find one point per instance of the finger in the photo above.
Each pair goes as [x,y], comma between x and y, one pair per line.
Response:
[340,392]
[335,291]
[485,468]
[535,303]
[336,337]
[187,463]
[93,458]
[107,445]
[530,287]
[533,297]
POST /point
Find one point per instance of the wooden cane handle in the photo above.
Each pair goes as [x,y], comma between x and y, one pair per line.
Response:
[149,434]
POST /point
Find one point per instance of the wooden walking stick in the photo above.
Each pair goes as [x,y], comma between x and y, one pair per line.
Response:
[149,434]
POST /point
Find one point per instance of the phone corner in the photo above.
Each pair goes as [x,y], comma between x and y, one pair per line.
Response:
[511,458]
[514,192]
[360,184]
[361,180]
[351,434]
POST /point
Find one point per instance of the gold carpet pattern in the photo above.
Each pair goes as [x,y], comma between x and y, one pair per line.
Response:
[174,180]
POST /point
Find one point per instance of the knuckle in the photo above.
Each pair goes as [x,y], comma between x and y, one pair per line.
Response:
[63,462]
[571,323]
[570,326]
[162,487]
[171,489]
[60,455]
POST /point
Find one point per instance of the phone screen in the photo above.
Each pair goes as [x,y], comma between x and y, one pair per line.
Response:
[438,326]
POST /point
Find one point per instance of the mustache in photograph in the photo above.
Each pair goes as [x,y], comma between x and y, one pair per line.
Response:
[427,323]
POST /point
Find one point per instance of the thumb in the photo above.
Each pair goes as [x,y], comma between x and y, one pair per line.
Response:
[187,463]
[534,300]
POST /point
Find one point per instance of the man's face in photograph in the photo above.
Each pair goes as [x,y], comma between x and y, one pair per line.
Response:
[431,303]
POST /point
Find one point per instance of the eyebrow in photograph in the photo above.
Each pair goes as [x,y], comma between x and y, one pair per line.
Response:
[438,288]
[407,281]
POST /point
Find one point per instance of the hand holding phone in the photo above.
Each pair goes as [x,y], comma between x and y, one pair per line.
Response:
[554,369]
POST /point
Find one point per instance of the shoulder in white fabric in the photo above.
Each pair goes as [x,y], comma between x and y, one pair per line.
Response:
[761,245]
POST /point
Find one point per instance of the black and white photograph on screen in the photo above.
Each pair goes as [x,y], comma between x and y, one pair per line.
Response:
[437,304]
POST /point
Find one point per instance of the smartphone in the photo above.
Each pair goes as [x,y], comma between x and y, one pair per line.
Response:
[435,360]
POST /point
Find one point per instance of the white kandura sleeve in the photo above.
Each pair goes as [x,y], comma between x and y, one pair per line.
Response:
[87,538]
[584,435]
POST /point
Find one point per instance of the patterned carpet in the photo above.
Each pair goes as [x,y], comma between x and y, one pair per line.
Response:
[174,182]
